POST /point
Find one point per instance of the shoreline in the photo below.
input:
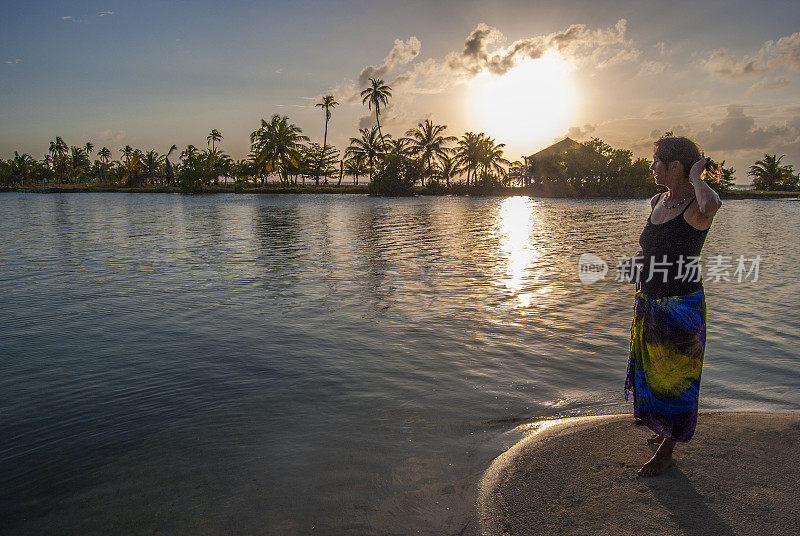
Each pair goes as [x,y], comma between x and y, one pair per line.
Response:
[578,476]
[459,190]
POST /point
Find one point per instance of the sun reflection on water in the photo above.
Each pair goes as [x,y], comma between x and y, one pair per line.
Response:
[515,226]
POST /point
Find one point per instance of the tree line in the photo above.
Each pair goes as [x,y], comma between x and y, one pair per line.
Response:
[595,169]
[425,157]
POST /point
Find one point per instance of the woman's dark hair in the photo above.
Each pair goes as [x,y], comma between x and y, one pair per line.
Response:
[671,148]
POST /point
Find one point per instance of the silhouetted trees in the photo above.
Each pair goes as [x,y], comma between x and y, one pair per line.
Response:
[376,95]
[769,174]
[425,156]
[592,169]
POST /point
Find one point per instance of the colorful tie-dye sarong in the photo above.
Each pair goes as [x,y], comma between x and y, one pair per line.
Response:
[668,339]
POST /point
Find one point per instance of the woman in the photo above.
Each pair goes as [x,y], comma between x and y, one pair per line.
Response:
[668,333]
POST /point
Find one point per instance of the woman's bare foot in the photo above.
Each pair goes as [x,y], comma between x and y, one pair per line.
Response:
[661,461]
[655,439]
[657,465]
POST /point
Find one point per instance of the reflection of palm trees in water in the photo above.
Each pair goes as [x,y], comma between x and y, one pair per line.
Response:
[370,241]
[276,229]
[404,255]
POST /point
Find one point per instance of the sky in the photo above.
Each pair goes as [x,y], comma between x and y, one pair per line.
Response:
[151,74]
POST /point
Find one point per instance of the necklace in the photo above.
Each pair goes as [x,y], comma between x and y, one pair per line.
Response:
[679,203]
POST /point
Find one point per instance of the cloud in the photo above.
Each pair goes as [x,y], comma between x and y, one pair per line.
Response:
[775,83]
[661,46]
[401,54]
[651,68]
[723,65]
[105,13]
[390,116]
[620,56]
[599,48]
[737,131]
[483,50]
[772,55]
[14,61]
[580,132]
[109,135]
[603,48]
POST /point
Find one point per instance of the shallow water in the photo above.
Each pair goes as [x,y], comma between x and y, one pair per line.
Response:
[343,364]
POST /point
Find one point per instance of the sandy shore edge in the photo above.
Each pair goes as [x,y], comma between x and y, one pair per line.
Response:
[578,476]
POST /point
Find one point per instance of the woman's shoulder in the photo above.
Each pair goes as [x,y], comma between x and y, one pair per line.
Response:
[654,200]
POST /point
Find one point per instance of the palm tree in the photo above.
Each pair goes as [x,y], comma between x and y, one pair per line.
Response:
[376,95]
[355,165]
[467,153]
[447,168]
[59,150]
[131,163]
[399,146]
[369,145]
[190,150]
[215,136]
[276,147]
[104,155]
[240,169]
[78,162]
[491,158]
[769,174]
[88,148]
[480,156]
[151,161]
[47,161]
[428,143]
[168,166]
[327,103]
[21,166]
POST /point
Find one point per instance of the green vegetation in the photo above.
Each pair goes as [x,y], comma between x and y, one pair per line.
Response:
[592,169]
[426,160]
[768,174]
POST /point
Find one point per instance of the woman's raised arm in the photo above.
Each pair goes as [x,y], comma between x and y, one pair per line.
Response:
[707,199]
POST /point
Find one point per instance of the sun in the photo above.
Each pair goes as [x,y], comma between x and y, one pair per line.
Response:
[527,107]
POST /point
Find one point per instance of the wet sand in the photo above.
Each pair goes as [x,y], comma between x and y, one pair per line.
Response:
[738,475]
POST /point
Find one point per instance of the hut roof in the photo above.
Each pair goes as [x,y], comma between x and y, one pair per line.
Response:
[558,147]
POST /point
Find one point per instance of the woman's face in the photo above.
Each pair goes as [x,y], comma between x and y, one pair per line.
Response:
[659,170]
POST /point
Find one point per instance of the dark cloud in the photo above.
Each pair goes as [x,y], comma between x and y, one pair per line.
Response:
[723,65]
[737,131]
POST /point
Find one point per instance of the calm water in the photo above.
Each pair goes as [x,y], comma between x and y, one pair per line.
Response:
[336,364]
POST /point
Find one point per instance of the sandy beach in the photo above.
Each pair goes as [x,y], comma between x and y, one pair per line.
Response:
[738,475]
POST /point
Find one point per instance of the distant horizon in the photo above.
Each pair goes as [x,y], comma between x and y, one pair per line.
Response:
[159,75]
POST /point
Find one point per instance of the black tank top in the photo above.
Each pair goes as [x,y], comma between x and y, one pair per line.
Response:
[680,243]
